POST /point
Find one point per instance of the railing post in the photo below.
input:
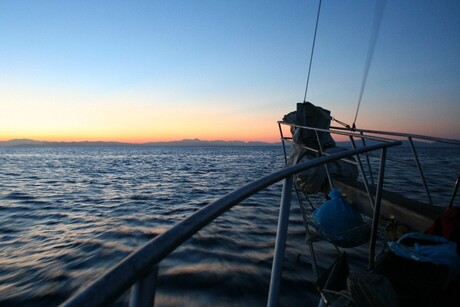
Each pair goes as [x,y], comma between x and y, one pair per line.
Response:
[361,169]
[363,139]
[420,171]
[375,219]
[325,164]
[280,244]
[143,292]
[284,144]
[454,192]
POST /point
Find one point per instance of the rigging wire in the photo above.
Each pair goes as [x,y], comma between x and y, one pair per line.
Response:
[378,14]
[312,50]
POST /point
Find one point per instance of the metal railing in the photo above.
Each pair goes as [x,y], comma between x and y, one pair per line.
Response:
[377,136]
[410,137]
[139,270]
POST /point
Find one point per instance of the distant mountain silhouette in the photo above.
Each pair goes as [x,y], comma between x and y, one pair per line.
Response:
[20,142]
[185,142]
[198,142]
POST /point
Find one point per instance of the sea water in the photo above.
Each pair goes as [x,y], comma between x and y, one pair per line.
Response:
[67,214]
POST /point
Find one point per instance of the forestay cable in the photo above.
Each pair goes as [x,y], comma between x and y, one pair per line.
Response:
[379,7]
[312,50]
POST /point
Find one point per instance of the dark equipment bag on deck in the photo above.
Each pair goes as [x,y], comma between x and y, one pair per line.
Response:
[418,281]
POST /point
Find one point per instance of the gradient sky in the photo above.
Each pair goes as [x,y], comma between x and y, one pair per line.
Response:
[142,71]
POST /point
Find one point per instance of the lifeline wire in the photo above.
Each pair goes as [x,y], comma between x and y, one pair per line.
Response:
[312,49]
[379,7]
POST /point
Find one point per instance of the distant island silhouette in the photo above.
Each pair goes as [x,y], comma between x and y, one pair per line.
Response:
[185,142]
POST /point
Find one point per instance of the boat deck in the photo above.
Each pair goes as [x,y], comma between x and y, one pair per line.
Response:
[418,216]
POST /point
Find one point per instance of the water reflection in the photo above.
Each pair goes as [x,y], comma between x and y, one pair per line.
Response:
[67,214]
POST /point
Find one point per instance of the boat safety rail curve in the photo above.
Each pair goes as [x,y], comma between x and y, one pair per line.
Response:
[374,135]
[401,134]
[141,262]
[345,132]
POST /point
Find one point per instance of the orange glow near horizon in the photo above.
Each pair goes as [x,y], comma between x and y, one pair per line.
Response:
[139,115]
[146,124]
[259,132]
[67,115]
[141,123]
[139,139]
[66,118]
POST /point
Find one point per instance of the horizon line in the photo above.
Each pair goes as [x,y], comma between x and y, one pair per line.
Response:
[27,141]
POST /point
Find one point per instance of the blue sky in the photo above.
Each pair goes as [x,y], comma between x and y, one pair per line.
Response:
[162,70]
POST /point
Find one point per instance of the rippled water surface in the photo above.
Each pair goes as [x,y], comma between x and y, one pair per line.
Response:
[68,214]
